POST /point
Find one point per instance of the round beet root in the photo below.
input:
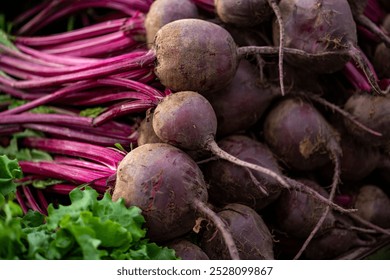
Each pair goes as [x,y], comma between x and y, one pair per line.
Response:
[163,181]
[251,234]
[299,135]
[169,188]
[188,60]
[186,120]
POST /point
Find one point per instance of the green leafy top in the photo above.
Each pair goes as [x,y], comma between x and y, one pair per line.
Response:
[13,150]
[88,228]
[9,171]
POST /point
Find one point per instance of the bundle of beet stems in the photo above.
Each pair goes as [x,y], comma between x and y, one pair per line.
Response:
[175,107]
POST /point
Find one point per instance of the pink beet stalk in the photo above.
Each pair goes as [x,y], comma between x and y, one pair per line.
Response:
[73,174]
[104,156]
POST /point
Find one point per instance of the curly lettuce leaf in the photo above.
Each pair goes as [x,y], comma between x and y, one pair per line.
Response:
[91,228]
[9,171]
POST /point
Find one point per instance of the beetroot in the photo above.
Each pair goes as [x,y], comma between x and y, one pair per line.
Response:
[169,188]
[145,178]
[251,234]
[188,60]
[229,183]
[324,29]
[299,135]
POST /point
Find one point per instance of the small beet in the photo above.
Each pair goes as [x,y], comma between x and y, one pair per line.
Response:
[150,177]
[169,188]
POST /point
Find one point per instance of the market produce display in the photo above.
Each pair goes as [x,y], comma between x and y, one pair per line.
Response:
[195,129]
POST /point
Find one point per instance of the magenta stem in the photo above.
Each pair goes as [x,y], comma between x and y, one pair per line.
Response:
[105,156]
[113,68]
[73,174]
[76,134]
[118,110]
[57,59]
[20,200]
[83,164]
[355,77]
[72,36]
[31,200]
[42,201]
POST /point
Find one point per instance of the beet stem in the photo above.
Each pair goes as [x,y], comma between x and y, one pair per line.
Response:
[202,208]
[215,149]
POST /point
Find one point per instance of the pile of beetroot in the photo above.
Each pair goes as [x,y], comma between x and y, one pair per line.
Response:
[243,129]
